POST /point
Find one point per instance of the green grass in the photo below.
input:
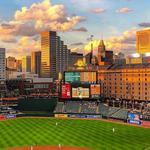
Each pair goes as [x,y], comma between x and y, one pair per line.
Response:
[93,134]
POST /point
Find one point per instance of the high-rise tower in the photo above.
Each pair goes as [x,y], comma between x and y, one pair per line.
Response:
[48,54]
[101,52]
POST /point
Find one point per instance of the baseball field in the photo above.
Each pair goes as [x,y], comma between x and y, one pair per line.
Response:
[90,134]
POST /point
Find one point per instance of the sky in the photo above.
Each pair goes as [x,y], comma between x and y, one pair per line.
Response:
[114,21]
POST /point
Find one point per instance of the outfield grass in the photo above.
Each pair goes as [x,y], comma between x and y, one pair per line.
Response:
[93,134]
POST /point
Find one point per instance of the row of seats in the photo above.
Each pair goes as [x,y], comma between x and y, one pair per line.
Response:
[91,108]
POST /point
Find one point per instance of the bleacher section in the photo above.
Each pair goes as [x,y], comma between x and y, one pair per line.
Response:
[103,110]
[89,107]
[59,107]
[120,114]
[72,107]
[112,110]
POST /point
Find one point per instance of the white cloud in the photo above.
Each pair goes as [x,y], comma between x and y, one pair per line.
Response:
[42,16]
[98,10]
[124,10]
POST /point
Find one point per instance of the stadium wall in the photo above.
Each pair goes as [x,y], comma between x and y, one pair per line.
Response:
[37,104]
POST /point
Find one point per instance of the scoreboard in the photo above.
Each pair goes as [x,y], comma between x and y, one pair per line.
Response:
[95,90]
[81,77]
[80,92]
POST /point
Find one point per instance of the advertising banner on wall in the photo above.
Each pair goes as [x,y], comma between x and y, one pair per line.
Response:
[2,117]
[10,116]
[134,118]
[66,91]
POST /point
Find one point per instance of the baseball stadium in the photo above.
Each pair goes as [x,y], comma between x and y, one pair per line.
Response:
[78,118]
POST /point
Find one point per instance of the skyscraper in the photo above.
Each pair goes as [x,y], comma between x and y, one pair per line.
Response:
[26,64]
[143,41]
[54,55]
[48,54]
[36,62]
[2,71]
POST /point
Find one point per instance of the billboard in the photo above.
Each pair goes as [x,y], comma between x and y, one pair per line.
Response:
[134,118]
[80,92]
[95,90]
[66,91]
[83,76]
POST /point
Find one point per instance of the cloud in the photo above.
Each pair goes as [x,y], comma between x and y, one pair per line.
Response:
[124,10]
[42,16]
[98,10]
[77,44]
[81,29]
[144,24]
[22,31]
[125,43]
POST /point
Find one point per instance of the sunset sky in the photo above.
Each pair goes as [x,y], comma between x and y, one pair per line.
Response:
[116,21]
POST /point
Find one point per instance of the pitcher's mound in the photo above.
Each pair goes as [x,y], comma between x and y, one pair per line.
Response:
[49,148]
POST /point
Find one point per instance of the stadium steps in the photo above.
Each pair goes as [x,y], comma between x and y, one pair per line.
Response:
[80,109]
[97,110]
[120,114]
[112,110]
[63,108]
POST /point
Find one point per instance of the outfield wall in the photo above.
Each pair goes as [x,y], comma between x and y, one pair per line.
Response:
[37,104]
[77,116]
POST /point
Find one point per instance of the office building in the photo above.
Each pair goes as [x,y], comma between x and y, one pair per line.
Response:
[19,65]
[2,71]
[36,62]
[54,55]
[11,62]
[48,54]
[143,41]
[26,64]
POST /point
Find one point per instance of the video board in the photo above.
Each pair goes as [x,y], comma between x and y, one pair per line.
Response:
[80,92]
[81,77]
[66,91]
[95,90]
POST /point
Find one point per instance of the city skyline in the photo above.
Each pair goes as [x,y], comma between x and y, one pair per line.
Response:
[116,22]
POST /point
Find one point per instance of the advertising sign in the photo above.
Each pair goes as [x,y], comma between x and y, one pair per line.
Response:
[95,90]
[2,117]
[80,92]
[134,118]
[66,91]
[10,116]
[61,115]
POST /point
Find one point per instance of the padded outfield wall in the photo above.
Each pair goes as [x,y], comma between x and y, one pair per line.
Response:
[37,104]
